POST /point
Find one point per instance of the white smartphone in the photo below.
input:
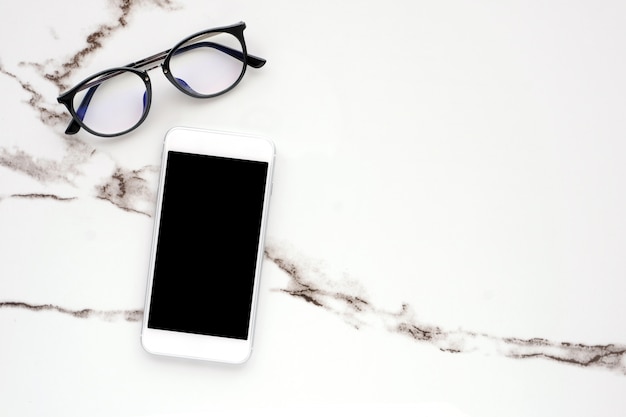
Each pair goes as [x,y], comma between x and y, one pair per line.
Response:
[207,248]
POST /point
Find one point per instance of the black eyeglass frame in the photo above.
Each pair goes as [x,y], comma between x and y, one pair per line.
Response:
[141,68]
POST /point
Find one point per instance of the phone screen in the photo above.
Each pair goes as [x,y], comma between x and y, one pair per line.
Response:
[207,246]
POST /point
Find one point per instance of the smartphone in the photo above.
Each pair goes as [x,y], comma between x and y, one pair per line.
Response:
[207,249]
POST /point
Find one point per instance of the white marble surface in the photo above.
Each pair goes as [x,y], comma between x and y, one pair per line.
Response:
[447,232]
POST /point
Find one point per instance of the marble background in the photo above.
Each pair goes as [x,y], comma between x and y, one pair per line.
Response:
[446,235]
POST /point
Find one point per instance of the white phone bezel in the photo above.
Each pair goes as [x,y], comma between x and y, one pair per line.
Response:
[222,144]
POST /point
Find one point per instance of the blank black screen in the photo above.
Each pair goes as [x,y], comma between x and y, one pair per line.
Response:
[208,239]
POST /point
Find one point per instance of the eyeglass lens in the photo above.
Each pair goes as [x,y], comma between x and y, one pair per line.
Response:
[204,66]
[114,102]
[208,64]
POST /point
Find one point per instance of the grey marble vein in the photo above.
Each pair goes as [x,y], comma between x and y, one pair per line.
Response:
[47,111]
[37,196]
[312,285]
[351,304]
[48,170]
[122,10]
[131,190]
[85,313]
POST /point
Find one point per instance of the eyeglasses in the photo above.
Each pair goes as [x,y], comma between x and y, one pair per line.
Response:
[116,101]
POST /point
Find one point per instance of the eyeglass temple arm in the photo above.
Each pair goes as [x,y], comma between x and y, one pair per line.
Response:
[252,60]
[153,60]
[73,127]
